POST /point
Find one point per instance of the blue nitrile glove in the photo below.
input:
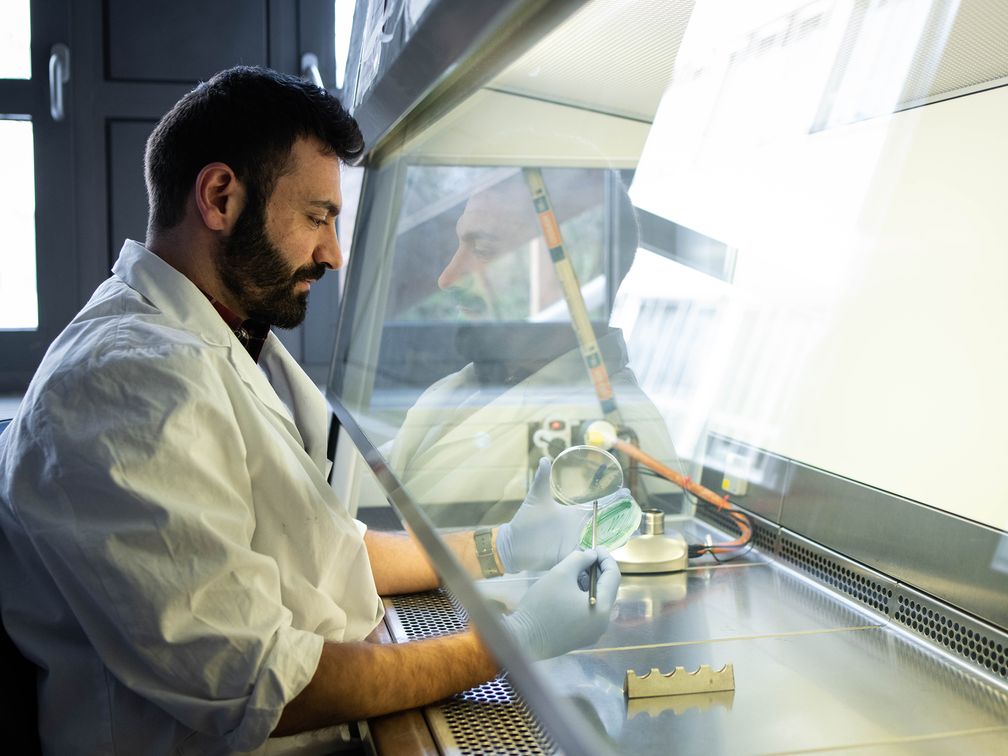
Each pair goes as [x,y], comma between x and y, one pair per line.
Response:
[542,532]
[554,617]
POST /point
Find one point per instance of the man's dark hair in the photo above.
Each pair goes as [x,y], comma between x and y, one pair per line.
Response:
[248,118]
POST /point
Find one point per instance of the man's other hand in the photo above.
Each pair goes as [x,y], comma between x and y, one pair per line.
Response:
[554,616]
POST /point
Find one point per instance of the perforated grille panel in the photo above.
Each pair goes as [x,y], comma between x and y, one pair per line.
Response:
[840,574]
[585,62]
[764,536]
[981,646]
[972,53]
[959,49]
[489,718]
[426,615]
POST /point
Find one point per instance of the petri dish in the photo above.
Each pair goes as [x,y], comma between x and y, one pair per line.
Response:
[582,475]
[618,520]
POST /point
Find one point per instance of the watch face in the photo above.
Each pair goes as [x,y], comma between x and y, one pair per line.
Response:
[484,542]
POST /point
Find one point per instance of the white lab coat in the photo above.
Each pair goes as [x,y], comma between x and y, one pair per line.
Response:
[461,441]
[171,552]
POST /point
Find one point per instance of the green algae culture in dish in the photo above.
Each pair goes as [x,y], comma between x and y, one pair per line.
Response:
[582,475]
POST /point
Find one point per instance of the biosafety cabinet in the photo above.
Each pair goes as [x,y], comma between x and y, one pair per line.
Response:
[762,247]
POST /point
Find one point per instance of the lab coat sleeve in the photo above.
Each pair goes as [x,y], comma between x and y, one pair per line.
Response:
[144,516]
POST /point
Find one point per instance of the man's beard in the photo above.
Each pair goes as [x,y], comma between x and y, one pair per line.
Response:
[253,269]
[470,303]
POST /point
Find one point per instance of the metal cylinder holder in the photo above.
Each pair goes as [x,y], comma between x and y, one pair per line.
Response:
[654,522]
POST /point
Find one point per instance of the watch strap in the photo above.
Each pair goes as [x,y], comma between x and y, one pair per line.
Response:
[485,552]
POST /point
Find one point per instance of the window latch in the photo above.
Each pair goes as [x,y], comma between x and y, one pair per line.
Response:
[59,75]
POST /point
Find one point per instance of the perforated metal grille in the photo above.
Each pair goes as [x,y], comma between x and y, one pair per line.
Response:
[968,686]
[720,518]
[425,615]
[959,50]
[763,535]
[972,53]
[584,62]
[824,603]
[970,640]
[489,718]
[843,577]
[492,718]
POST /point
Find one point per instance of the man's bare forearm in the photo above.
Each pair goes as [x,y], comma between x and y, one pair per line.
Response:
[355,681]
[400,565]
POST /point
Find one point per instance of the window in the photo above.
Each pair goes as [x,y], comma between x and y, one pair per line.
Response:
[38,277]
[18,291]
[15,40]
[18,297]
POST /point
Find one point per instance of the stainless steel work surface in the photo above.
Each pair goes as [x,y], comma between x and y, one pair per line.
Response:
[793,693]
[812,671]
[723,603]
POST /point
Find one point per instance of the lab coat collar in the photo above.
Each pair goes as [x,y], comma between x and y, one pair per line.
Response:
[179,298]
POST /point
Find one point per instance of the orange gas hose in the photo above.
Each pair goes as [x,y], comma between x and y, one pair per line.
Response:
[701,492]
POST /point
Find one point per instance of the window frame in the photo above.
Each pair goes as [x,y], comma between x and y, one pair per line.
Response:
[56,268]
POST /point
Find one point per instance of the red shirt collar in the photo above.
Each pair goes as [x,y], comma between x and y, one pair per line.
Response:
[251,333]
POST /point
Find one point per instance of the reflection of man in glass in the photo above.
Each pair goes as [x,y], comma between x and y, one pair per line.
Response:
[474,430]
[495,222]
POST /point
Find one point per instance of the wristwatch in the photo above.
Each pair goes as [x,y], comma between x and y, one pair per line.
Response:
[485,552]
